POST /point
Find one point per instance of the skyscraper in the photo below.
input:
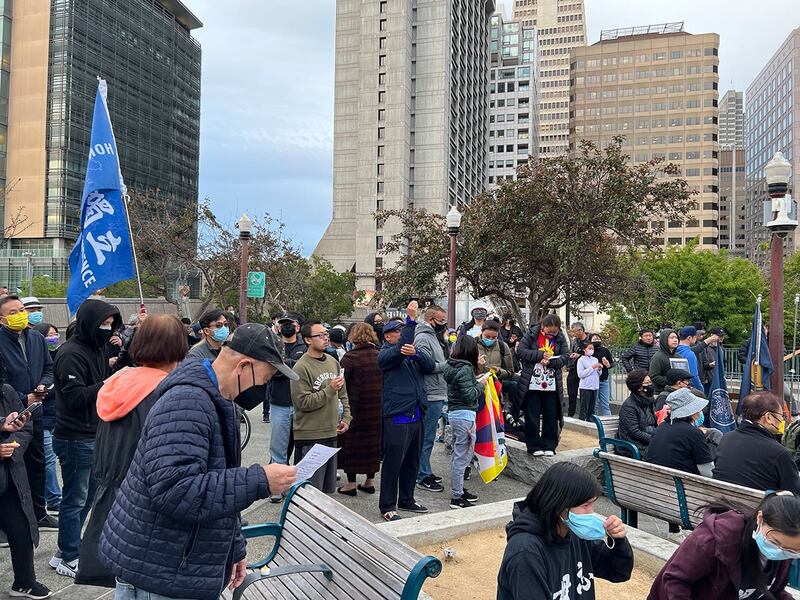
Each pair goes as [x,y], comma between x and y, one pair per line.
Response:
[561,26]
[657,86]
[513,98]
[732,194]
[410,119]
[772,117]
[146,52]
[731,119]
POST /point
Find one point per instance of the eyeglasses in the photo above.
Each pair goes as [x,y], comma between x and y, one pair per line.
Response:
[778,416]
[440,321]
[320,335]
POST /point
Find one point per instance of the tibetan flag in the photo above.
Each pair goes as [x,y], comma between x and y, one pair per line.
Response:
[491,453]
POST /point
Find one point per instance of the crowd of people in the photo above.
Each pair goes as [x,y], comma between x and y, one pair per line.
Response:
[141,420]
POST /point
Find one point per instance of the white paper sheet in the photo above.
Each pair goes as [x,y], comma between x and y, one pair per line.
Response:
[313,460]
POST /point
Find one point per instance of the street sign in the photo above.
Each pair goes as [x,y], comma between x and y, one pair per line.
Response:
[256,282]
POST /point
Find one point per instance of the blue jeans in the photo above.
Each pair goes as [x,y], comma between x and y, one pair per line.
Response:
[125,591]
[430,423]
[463,450]
[603,405]
[77,458]
[52,489]
[279,438]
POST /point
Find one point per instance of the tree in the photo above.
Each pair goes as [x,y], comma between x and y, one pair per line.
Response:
[684,285]
[565,224]
[791,279]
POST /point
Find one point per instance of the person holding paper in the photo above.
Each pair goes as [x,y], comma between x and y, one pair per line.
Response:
[321,408]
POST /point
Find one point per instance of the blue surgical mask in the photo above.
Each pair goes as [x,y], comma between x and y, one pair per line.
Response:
[221,334]
[586,527]
[35,318]
[488,342]
[771,551]
[698,422]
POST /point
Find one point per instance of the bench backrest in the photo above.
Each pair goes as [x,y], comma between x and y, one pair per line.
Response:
[607,427]
[665,493]
[366,562]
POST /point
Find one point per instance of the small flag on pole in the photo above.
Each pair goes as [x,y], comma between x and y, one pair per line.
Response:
[490,440]
[102,254]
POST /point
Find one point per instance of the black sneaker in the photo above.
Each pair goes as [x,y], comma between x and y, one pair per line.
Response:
[48,523]
[36,591]
[467,473]
[430,484]
[415,508]
[460,502]
[436,478]
[470,497]
[266,419]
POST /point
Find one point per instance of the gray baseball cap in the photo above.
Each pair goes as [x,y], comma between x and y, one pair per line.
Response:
[257,341]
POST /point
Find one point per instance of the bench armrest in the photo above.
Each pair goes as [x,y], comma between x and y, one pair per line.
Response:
[260,530]
[622,444]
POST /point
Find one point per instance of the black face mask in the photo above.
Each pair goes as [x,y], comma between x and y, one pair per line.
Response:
[439,328]
[252,396]
[648,390]
[480,315]
[288,330]
[378,327]
[597,345]
[103,336]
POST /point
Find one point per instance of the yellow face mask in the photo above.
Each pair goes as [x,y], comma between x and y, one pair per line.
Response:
[453,339]
[17,322]
[782,427]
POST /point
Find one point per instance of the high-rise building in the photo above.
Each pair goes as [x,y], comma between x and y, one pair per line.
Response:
[658,87]
[561,26]
[772,116]
[732,193]
[411,112]
[146,52]
[513,98]
[731,120]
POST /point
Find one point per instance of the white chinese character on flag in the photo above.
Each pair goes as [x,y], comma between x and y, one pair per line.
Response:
[96,207]
[104,243]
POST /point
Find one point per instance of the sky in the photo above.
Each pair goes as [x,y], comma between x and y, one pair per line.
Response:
[266,133]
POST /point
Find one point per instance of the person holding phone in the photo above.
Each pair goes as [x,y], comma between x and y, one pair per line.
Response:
[17,518]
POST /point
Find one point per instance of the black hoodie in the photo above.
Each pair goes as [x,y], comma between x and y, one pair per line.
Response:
[533,568]
[660,363]
[81,367]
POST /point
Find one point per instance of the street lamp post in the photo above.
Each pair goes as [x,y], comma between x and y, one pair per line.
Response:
[245,226]
[29,270]
[453,225]
[778,171]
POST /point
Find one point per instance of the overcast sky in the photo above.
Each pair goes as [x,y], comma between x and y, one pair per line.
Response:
[266,142]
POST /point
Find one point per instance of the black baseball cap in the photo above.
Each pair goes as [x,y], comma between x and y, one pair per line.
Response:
[258,342]
[673,375]
[719,331]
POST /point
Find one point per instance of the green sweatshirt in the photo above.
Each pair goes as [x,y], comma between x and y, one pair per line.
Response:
[316,403]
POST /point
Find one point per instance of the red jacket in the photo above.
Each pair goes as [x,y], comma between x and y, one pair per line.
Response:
[708,563]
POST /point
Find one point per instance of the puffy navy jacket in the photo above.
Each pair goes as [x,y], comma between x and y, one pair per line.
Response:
[403,379]
[174,528]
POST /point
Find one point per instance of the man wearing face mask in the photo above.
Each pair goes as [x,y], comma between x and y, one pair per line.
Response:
[751,456]
[473,327]
[34,308]
[214,329]
[29,371]
[81,366]
[174,530]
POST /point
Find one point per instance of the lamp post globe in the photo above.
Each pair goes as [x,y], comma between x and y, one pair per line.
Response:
[453,219]
[777,172]
[244,225]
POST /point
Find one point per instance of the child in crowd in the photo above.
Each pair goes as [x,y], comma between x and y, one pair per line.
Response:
[589,372]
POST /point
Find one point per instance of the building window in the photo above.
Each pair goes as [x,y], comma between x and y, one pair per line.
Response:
[380,169]
[381,78]
[381,151]
[383,7]
[380,187]
[382,60]
[382,43]
[383,25]
[381,97]
[382,114]
[379,242]
[381,133]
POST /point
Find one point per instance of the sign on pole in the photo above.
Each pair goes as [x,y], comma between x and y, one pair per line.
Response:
[256,282]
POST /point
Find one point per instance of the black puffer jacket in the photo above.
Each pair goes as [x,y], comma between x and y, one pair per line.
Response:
[638,356]
[637,422]
[529,354]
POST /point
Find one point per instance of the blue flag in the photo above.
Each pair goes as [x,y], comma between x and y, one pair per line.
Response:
[755,376]
[719,402]
[102,255]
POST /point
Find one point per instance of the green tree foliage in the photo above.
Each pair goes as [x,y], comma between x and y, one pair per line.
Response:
[564,224]
[791,281]
[684,285]
[45,287]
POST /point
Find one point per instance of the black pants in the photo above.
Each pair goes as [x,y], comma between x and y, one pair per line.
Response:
[34,465]
[402,446]
[573,381]
[588,399]
[541,409]
[17,529]
[351,477]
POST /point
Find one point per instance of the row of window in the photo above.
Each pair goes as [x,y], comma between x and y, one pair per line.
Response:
[676,88]
[610,61]
[626,109]
[646,74]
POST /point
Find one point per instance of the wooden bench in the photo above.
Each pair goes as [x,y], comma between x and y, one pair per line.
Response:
[324,551]
[668,494]
[607,430]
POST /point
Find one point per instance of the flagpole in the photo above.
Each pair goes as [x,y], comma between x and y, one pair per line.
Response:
[792,371]
[125,199]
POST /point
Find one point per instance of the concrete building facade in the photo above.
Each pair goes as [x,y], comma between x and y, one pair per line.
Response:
[732,194]
[146,52]
[561,26]
[411,112]
[731,120]
[772,124]
[513,98]
[658,87]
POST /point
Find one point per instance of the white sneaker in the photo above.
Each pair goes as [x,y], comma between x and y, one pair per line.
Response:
[549,453]
[55,560]
[539,453]
[68,569]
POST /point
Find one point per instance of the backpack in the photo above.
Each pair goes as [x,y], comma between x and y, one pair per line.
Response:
[791,437]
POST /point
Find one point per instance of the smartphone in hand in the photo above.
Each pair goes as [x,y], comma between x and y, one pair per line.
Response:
[29,410]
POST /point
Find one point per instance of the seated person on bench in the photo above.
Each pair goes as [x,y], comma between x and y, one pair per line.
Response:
[637,419]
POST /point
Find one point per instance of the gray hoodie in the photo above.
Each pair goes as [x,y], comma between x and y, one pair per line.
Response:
[426,340]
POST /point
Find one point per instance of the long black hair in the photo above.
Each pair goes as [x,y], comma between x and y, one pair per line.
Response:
[780,511]
[563,486]
[466,348]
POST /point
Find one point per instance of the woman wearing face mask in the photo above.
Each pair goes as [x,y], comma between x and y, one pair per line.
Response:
[376,321]
[603,356]
[123,404]
[637,417]
[557,546]
[735,554]
[678,443]
[751,455]
[588,369]
[497,356]
[52,489]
